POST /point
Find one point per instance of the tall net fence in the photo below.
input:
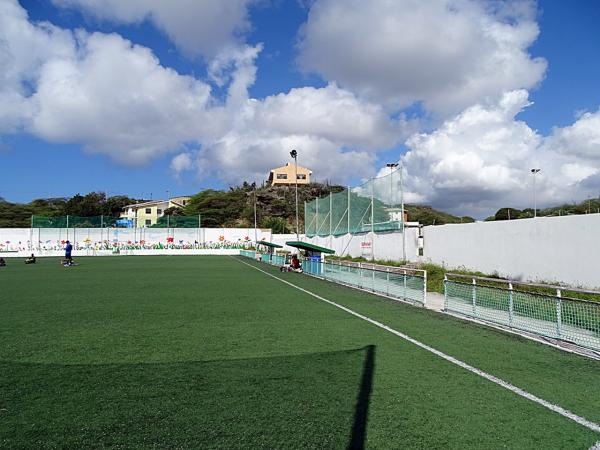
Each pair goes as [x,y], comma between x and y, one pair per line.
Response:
[544,314]
[112,222]
[75,222]
[178,222]
[376,205]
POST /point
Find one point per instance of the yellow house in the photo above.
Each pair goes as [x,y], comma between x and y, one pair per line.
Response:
[147,214]
[285,175]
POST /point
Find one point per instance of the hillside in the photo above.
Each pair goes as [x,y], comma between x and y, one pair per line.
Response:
[230,208]
[585,207]
[426,215]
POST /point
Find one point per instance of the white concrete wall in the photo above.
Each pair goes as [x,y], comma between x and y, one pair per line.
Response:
[551,249]
[14,239]
[383,246]
[547,249]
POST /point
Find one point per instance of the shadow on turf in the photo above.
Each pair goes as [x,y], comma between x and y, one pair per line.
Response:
[361,414]
[316,400]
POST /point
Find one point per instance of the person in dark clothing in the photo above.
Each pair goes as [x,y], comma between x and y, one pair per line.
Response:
[68,261]
[2,262]
[30,260]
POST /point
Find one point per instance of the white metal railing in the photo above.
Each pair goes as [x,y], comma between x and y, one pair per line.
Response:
[402,283]
[524,306]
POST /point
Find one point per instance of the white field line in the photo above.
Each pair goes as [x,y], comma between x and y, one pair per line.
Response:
[552,407]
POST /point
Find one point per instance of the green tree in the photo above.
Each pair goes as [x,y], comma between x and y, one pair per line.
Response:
[507,214]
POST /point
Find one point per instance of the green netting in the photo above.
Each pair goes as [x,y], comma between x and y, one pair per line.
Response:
[322,216]
[310,218]
[111,222]
[373,206]
[339,213]
[177,222]
[74,222]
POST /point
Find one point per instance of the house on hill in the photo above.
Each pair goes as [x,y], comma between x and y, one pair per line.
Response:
[146,214]
[285,175]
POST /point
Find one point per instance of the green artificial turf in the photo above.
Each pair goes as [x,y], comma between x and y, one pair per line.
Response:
[206,352]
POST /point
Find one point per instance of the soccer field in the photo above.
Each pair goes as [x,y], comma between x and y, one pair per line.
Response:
[217,352]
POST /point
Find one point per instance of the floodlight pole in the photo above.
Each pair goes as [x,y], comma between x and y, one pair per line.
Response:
[294,154]
[534,172]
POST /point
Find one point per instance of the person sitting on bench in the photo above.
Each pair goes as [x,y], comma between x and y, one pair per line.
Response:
[30,260]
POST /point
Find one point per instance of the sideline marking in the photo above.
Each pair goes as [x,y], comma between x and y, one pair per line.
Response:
[540,401]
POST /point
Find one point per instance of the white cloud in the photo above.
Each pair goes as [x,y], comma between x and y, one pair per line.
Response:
[447,54]
[480,161]
[203,27]
[24,47]
[115,98]
[181,163]
[582,139]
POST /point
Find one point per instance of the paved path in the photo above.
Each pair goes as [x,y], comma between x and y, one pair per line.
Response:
[435,301]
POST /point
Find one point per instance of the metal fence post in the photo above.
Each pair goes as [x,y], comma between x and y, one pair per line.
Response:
[424,280]
[360,275]
[445,291]
[387,283]
[510,304]
[404,283]
[474,295]
[558,314]
[373,279]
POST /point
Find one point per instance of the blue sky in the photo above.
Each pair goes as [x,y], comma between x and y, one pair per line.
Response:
[139,98]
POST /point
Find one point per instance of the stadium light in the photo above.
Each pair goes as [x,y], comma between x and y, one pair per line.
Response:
[534,172]
[294,154]
[392,166]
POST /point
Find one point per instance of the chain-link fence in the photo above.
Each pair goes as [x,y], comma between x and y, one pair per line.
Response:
[376,205]
[515,305]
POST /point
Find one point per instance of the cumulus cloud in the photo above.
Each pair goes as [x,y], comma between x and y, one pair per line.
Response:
[115,98]
[481,160]
[446,54]
[197,27]
[582,139]
[181,163]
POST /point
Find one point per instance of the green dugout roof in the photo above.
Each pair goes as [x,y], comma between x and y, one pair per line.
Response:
[306,246]
[269,244]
